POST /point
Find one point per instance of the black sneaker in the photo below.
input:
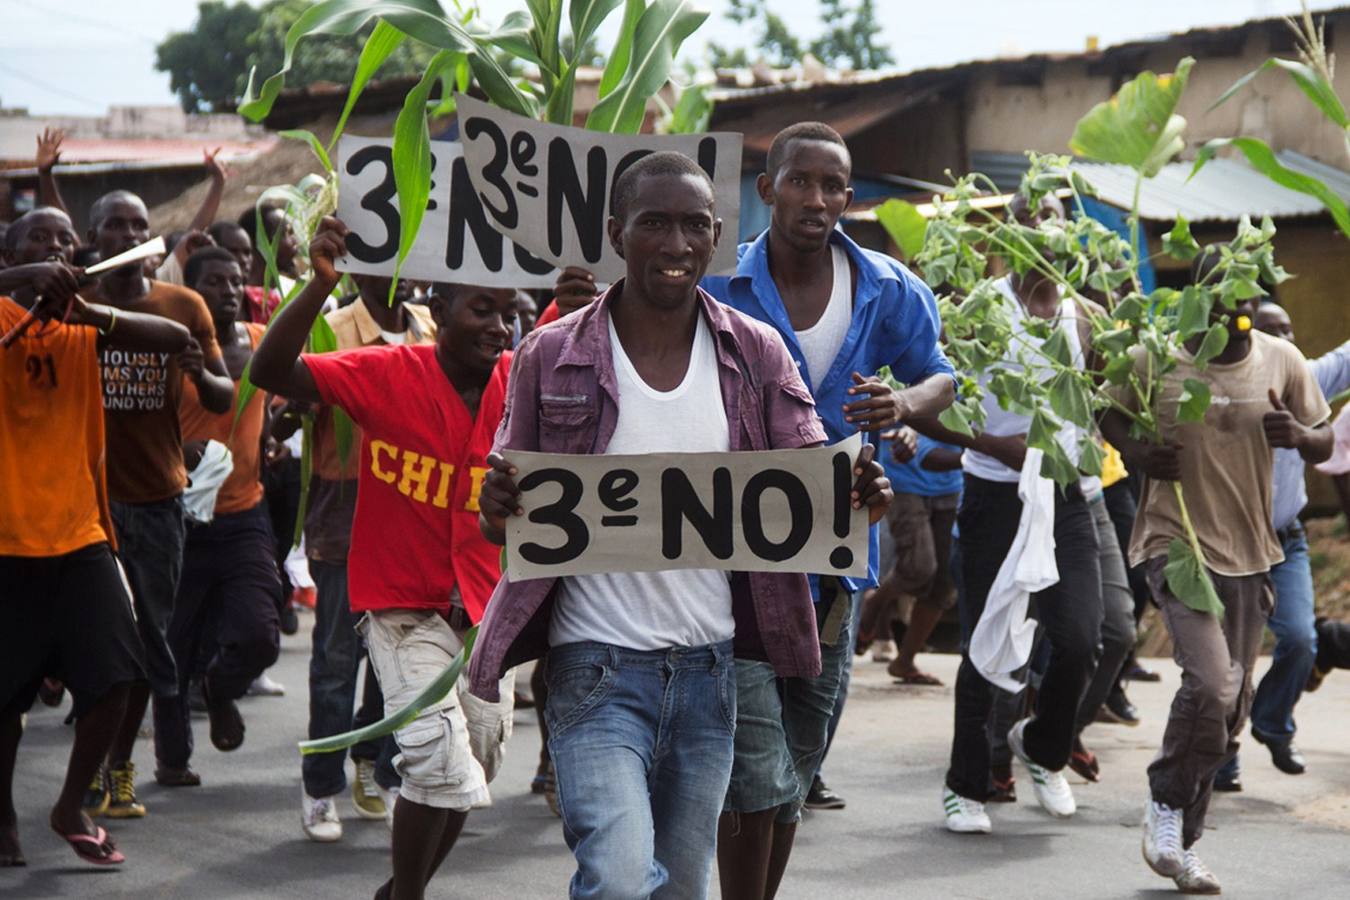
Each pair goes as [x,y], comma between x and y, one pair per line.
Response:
[1118,710]
[290,622]
[1283,753]
[1228,782]
[821,797]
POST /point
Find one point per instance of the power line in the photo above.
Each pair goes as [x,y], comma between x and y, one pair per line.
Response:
[50,88]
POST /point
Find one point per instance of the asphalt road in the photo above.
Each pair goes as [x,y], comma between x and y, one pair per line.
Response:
[239,834]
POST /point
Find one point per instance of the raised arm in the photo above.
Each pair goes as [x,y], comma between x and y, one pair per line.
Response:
[48,155]
[207,212]
[276,365]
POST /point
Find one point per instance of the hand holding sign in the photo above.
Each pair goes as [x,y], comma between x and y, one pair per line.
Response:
[773,511]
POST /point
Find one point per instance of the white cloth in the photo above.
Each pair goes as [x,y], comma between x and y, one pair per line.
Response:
[673,608]
[1001,422]
[821,342]
[1001,642]
[1339,463]
[1289,492]
[199,497]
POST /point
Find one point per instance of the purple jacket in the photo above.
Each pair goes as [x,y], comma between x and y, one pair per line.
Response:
[563,397]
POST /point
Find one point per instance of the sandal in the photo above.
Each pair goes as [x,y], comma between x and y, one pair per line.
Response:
[1084,762]
[96,848]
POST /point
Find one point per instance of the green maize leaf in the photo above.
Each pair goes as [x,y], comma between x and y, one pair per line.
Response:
[432,694]
[300,134]
[585,17]
[691,112]
[1193,402]
[1308,79]
[1215,340]
[515,36]
[1188,580]
[623,48]
[1178,243]
[1137,127]
[656,40]
[558,110]
[306,472]
[1263,159]
[905,225]
[383,41]
[412,159]
[338,17]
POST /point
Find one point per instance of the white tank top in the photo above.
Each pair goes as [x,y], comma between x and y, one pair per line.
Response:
[999,421]
[672,608]
[821,342]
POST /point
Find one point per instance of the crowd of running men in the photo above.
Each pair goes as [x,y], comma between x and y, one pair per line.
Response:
[149,510]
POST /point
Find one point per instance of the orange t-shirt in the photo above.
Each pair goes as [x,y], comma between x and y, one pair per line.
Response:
[141,394]
[243,488]
[53,499]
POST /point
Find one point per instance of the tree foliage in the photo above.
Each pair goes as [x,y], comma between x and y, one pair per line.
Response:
[207,64]
[851,38]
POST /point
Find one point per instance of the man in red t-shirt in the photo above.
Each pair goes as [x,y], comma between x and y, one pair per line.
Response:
[418,568]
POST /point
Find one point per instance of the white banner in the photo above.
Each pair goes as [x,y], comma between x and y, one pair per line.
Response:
[457,241]
[771,511]
[547,186]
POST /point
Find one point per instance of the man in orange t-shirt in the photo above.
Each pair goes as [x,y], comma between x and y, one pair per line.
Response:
[67,613]
[225,614]
[146,475]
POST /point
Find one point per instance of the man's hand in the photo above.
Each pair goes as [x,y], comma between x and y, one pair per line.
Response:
[191,362]
[49,148]
[329,243]
[574,289]
[276,452]
[194,241]
[499,499]
[1161,462]
[214,166]
[1280,426]
[904,443]
[54,281]
[871,487]
[1009,449]
[882,407]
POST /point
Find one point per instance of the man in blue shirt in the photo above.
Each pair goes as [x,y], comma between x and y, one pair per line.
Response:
[844,313]
[1293,619]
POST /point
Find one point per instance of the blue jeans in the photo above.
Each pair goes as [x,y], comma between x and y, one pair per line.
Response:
[641,743]
[1295,639]
[334,663]
[838,658]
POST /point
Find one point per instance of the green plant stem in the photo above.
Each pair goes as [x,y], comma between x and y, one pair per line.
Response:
[1134,233]
[1191,537]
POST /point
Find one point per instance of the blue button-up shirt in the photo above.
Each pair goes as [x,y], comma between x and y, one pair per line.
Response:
[895,323]
[1289,493]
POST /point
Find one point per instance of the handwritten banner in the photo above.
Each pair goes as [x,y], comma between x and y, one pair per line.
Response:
[457,241]
[772,511]
[547,187]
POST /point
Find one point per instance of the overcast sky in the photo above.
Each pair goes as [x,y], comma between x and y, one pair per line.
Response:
[80,56]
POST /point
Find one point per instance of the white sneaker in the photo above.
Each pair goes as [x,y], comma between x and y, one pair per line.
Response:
[1195,877]
[964,816]
[1162,840]
[263,686]
[1052,789]
[319,817]
[883,651]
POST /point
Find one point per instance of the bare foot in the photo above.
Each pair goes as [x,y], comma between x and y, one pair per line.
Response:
[11,854]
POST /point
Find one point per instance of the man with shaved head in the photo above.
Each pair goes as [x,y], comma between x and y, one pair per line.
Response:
[146,474]
[67,613]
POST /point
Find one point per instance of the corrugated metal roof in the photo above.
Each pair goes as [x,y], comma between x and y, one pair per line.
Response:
[1223,191]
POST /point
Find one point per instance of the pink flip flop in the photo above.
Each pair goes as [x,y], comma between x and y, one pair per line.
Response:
[88,846]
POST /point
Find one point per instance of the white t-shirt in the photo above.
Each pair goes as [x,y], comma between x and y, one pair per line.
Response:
[672,608]
[999,421]
[821,342]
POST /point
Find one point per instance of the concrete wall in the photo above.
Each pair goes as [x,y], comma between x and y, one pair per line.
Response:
[1013,118]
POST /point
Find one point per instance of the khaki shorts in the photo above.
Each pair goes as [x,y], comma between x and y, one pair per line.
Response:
[450,752]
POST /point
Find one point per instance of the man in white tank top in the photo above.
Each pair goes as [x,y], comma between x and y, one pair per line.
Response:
[1069,612]
[642,691]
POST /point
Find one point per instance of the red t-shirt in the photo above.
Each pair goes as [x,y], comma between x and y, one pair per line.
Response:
[551,313]
[423,459]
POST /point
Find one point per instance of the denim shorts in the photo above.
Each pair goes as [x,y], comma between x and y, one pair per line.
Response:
[782,724]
